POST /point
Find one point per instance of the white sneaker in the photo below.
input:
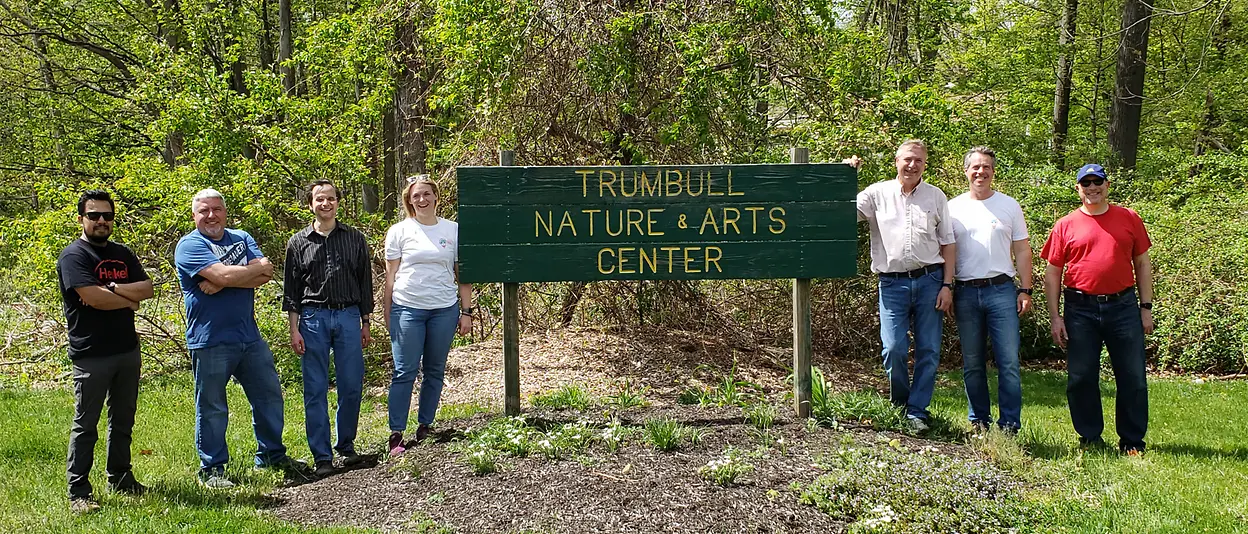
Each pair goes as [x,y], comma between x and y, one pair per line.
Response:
[918,426]
[216,482]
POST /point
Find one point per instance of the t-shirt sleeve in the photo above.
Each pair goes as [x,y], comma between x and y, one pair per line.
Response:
[394,243]
[134,266]
[1020,224]
[866,205]
[77,269]
[944,224]
[253,249]
[456,241]
[193,255]
[1054,252]
[1142,243]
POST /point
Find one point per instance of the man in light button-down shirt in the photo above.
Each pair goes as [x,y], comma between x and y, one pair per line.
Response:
[913,251]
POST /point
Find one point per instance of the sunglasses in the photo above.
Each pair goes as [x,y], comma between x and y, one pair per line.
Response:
[96,215]
[1092,182]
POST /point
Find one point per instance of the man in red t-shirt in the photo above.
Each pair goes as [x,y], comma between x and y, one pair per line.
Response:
[1099,252]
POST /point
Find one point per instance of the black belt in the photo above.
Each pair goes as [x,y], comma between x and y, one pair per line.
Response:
[985,282]
[1075,294]
[331,306]
[915,273]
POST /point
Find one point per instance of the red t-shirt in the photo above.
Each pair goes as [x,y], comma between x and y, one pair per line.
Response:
[1097,250]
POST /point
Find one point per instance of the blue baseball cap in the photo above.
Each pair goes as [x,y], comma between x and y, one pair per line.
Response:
[1090,169]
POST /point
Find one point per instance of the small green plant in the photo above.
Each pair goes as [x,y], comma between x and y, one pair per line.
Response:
[408,464]
[726,470]
[693,395]
[568,396]
[628,395]
[613,436]
[560,441]
[733,391]
[481,460]
[668,435]
[761,415]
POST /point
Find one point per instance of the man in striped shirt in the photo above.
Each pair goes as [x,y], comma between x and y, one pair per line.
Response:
[328,297]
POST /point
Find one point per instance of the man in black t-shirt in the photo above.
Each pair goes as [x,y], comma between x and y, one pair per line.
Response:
[101,285]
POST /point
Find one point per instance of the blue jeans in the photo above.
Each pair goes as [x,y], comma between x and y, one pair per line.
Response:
[420,341]
[903,302]
[983,313]
[323,329]
[1118,326]
[252,365]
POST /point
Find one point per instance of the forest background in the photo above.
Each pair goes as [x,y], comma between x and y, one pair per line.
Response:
[156,99]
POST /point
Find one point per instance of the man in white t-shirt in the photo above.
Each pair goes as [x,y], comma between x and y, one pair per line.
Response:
[991,234]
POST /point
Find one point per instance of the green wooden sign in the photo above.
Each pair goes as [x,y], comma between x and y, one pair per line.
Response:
[543,224]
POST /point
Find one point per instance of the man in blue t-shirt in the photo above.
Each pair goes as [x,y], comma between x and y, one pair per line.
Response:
[219,269]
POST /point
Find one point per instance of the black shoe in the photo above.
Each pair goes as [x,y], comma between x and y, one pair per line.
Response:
[351,459]
[1009,430]
[290,467]
[1091,443]
[128,485]
[980,427]
[422,432]
[1131,450]
[83,505]
[324,468]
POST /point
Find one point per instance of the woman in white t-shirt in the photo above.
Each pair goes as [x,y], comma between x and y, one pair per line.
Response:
[421,306]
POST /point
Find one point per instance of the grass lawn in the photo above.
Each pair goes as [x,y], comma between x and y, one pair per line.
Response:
[1194,477]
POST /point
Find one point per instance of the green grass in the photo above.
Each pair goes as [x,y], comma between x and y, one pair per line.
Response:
[1194,477]
[568,396]
[32,466]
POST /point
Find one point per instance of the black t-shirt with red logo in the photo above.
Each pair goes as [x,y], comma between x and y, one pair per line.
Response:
[95,332]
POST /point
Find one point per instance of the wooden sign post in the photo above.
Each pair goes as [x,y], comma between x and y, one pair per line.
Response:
[669,222]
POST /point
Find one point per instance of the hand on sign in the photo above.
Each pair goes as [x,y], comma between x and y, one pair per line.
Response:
[853,161]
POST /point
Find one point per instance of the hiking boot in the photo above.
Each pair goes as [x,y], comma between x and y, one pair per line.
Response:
[916,425]
[216,481]
[83,505]
[422,432]
[324,468]
[396,444]
[128,485]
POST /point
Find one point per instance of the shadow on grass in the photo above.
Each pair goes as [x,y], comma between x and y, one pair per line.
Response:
[192,495]
[1201,452]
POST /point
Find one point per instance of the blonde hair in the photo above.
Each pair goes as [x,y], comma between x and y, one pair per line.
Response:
[408,208]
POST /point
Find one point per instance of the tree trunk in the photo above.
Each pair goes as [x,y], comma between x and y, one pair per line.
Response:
[1061,94]
[285,46]
[1204,136]
[1124,125]
[389,185]
[411,105]
[64,159]
[266,37]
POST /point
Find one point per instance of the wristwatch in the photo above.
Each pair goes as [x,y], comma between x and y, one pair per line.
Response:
[1146,306]
[112,286]
[468,311]
[1026,290]
[948,285]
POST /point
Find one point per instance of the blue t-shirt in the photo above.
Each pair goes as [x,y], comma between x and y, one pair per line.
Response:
[228,316]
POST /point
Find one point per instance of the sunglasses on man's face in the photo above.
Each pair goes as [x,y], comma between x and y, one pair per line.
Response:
[1092,182]
[96,215]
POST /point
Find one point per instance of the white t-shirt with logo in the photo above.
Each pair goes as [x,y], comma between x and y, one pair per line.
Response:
[427,255]
[985,231]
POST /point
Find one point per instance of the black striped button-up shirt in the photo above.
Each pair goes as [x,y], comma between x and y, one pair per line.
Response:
[331,271]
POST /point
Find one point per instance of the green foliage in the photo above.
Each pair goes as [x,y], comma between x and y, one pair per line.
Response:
[628,395]
[760,415]
[726,470]
[881,490]
[668,435]
[568,396]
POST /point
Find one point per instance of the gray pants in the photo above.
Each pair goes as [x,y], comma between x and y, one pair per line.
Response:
[116,378]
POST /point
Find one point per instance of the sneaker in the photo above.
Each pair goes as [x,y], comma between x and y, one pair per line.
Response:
[1009,430]
[422,432]
[215,481]
[1132,450]
[128,485]
[980,427]
[351,459]
[83,505]
[396,444]
[324,468]
[916,425]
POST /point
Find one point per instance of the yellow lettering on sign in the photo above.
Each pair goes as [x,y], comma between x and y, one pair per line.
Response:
[710,180]
[730,192]
[689,183]
[650,222]
[754,217]
[774,219]
[619,229]
[567,222]
[670,182]
[624,190]
[649,189]
[591,213]
[624,259]
[585,182]
[669,251]
[636,223]
[708,219]
[612,263]
[718,253]
[652,260]
[539,222]
[689,258]
[731,215]
[603,183]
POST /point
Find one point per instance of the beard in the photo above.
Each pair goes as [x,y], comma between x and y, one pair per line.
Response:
[97,239]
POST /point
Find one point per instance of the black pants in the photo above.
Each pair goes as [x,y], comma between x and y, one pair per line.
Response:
[116,378]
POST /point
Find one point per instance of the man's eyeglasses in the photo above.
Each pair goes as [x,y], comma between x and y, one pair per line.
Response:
[1092,182]
[96,215]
